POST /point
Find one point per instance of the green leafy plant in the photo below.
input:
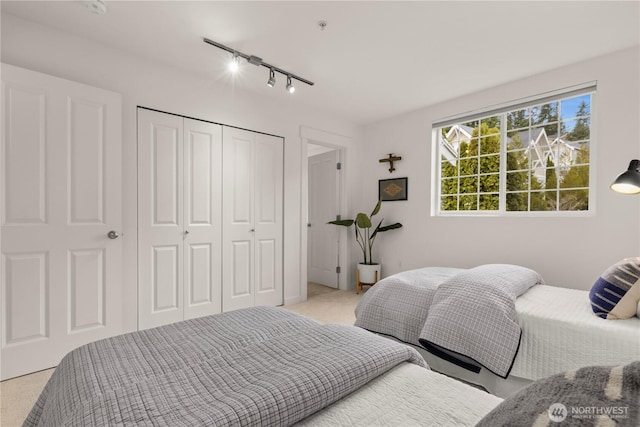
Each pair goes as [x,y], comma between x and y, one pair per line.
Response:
[364,236]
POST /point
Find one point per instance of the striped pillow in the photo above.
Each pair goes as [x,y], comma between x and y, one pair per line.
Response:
[616,293]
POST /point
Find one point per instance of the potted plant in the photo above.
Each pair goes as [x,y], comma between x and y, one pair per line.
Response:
[365,238]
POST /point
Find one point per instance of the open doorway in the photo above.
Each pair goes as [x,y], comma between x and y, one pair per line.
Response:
[325,142]
[323,205]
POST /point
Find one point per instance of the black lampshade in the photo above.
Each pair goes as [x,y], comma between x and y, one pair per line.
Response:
[628,182]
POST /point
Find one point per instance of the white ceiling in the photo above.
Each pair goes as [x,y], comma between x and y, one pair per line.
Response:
[375,59]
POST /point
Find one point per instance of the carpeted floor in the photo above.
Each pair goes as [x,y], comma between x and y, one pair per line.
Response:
[324,304]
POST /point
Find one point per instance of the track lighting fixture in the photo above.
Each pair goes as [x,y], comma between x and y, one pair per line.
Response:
[272,78]
[290,87]
[255,60]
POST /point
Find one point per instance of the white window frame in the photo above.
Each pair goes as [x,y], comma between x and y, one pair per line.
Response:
[577,90]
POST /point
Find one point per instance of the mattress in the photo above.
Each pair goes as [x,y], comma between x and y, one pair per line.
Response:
[408,395]
[561,333]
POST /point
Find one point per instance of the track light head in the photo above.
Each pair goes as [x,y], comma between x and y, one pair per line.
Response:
[272,78]
[234,65]
[290,87]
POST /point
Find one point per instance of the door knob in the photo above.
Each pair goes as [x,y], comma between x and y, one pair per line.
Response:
[186,232]
[113,234]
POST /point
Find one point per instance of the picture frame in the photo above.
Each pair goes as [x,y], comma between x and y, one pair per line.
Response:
[391,190]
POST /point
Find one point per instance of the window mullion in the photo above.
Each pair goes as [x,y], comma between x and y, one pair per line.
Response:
[502,197]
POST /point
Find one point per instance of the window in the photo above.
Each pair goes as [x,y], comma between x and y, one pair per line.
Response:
[530,156]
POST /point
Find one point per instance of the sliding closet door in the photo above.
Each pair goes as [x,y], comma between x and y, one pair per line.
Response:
[252,219]
[61,214]
[203,218]
[179,218]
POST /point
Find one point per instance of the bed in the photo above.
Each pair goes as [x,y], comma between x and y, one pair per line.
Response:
[266,366]
[559,331]
[259,366]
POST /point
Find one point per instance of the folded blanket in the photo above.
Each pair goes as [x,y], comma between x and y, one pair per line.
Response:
[473,314]
[251,367]
[398,305]
[465,316]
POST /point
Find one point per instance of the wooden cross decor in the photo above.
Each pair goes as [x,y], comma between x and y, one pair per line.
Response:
[390,160]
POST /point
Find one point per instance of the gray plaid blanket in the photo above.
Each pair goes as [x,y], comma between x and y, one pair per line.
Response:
[461,315]
[258,366]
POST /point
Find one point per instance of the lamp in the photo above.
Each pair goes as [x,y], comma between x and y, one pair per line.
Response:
[628,182]
[257,61]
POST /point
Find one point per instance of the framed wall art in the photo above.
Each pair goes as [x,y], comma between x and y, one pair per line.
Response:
[390,190]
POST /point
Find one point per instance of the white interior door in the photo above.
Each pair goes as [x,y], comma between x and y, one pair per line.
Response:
[203,218]
[252,219]
[322,254]
[179,218]
[268,219]
[61,280]
[160,218]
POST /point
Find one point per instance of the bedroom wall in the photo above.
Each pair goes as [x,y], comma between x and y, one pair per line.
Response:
[568,252]
[154,85]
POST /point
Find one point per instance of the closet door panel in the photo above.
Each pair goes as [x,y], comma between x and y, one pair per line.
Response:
[160,218]
[203,215]
[269,219]
[237,218]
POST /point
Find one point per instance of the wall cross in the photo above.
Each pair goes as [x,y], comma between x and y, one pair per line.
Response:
[390,160]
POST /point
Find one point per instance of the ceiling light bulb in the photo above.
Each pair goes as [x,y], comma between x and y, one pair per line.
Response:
[290,87]
[272,78]
[234,64]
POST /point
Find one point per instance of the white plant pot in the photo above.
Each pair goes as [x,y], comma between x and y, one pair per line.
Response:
[367,273]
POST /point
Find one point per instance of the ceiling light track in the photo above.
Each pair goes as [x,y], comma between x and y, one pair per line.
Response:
[255,60]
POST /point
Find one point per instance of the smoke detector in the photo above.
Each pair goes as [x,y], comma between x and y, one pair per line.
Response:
[99,7]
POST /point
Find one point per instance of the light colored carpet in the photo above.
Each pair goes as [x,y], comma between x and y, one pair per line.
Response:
[18,395]
[327,305]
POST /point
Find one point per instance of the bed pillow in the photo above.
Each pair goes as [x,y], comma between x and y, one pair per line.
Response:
[616,293]
[602,395]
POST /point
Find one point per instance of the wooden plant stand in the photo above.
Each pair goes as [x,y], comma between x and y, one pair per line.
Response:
[359,283]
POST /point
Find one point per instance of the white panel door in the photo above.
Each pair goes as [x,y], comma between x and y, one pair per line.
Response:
[252,219]
[61,281]
[238,275]
[160,218]
[268,219]
[203,218]
[179,218]
[322,255]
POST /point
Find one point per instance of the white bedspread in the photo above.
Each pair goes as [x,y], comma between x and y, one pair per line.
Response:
[408,395]
[560,333]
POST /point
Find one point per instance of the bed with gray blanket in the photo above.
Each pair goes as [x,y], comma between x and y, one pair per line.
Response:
[262,366]
[493,322]
[267,366]
[464,316]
